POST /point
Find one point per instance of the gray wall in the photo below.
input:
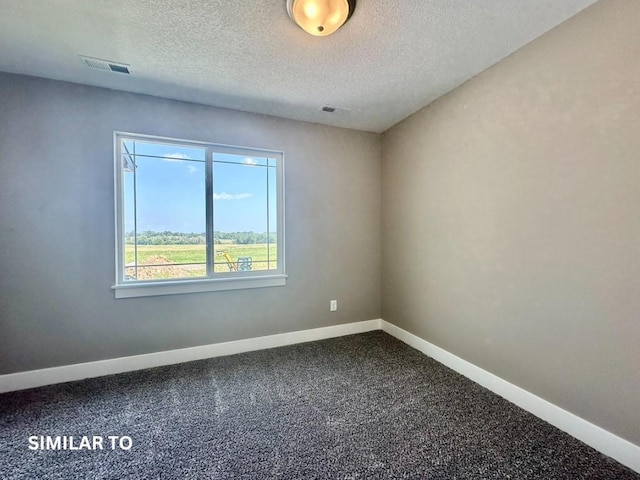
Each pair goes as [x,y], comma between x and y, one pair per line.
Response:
[511,219]
[57,227]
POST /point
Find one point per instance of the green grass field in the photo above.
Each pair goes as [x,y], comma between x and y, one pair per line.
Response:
[163,261]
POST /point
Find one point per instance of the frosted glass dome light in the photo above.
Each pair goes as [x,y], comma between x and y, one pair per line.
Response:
[320,17]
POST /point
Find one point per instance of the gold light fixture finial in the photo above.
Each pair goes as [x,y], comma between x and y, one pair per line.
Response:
[320,17]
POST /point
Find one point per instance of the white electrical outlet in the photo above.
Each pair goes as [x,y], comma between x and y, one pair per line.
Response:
[333,305]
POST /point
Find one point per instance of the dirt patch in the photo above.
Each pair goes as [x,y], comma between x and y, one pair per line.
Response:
[162,270]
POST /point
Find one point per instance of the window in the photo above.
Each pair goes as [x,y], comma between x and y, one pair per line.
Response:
[194,217]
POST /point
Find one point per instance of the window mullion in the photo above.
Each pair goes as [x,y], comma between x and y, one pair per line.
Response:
[209,211]
[135,213]
[268,225]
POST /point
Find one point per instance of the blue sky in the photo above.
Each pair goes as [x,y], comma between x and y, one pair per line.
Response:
[170,190]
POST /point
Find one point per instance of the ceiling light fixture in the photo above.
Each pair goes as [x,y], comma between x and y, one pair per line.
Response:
[320,17]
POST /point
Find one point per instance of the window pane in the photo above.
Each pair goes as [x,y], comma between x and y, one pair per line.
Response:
[240,214]
[164,204]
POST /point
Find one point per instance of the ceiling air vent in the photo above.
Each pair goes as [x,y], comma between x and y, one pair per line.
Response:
[106,65]
[332,109]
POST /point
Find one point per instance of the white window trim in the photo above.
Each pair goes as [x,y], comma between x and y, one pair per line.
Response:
[253,279]
[168,287]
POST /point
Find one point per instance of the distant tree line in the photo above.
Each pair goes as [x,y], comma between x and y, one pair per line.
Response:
[244,238]
[149,237]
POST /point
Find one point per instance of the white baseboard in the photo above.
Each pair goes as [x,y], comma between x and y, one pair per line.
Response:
[606,442]
[69,373]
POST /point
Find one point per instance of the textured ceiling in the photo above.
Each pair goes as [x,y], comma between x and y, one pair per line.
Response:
[392,58]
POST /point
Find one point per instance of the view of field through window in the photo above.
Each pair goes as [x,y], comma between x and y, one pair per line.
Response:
[165,212]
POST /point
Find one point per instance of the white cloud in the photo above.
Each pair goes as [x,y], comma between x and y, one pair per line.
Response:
[192,169]
[230,196]
[176,157]
[250,161]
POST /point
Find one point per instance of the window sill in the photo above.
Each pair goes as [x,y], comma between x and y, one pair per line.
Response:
[150,289]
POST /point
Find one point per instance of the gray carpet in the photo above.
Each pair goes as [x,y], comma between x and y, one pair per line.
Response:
[362,406]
